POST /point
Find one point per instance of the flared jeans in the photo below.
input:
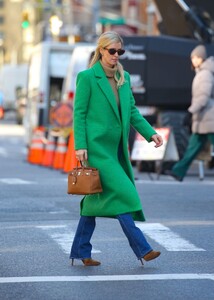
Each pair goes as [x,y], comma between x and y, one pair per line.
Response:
[81,247]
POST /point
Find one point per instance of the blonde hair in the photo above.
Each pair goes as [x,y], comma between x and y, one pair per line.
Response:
[107,38]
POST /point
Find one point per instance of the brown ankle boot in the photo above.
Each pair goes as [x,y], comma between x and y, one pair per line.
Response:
[90,262]
[151,255]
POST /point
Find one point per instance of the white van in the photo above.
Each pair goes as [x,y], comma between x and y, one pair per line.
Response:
[12,77]
[79,61]
[47,69]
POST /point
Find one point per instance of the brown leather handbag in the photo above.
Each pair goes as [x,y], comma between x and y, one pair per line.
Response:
[84,181]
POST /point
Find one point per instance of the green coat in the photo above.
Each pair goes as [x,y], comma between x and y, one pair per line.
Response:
[99,128]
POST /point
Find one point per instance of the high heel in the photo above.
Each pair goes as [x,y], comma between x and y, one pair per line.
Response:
[141,260]
[90,262]
[151,255]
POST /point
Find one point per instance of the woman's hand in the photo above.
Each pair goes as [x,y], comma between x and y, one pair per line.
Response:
[157,139]
[81,154]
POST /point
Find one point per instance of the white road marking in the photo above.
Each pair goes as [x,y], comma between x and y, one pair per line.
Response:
[12,130]
[191,276]
[161,234]
[170,223]
[165,237]
[47,227]
[63,236]
[16,181]
[58,212]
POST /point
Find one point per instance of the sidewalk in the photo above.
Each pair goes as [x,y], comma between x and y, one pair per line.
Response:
[192,175]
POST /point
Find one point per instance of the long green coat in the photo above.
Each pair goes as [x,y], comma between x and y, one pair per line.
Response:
[100,128]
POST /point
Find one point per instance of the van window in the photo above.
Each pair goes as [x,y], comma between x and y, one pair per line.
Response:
[58,63]
[55,85]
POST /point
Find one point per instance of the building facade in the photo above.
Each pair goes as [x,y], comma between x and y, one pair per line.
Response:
[10,33]
[24,23]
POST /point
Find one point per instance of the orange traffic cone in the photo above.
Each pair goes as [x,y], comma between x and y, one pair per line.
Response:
[59,156]
[36,150]
[48,156]
[70,158]
[1,112]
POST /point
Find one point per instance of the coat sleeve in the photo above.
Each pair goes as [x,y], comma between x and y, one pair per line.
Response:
[202,92]
[81,102]
[138,121]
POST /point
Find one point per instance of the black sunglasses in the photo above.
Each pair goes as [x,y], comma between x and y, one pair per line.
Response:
[112,51]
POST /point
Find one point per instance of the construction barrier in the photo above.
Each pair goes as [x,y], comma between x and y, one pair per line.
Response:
[60,152]
[36,149]
[70,158]
[49,151]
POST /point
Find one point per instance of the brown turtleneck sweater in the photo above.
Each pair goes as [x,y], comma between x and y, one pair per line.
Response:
[110,72]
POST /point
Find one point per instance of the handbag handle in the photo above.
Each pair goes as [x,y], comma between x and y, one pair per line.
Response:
[82,164]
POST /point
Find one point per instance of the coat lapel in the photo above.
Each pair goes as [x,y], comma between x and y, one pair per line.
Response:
[106,88]
[124,102]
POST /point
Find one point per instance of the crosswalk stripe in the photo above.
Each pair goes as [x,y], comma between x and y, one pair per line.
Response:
[161,234]
[165,237]
[96,278]
[16,181]
[63,236]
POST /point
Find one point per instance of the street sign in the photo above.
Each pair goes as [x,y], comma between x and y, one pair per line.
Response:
[61,115]
[142,150]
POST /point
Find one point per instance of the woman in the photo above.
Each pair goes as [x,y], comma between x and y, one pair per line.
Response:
[104,108]
[201,110]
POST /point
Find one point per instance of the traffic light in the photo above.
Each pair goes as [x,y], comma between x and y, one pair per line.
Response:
[25,20]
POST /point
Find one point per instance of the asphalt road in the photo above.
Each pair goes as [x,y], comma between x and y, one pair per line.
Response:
[38,220]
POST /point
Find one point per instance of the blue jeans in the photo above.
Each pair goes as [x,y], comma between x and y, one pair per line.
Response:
[81,247]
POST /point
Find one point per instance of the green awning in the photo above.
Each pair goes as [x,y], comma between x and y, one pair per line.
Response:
[116,21]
